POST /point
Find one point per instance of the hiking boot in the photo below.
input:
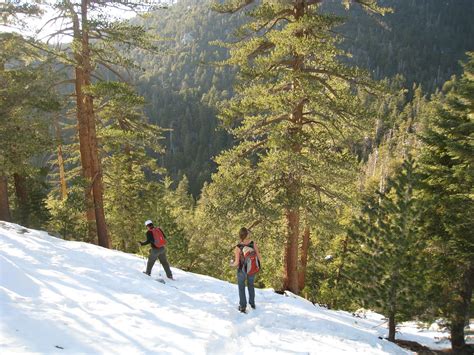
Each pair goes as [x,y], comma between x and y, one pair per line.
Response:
[253,306]
[242,309]
[146,273]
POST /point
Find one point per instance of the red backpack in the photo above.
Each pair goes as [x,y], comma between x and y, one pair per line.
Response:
[248,259]
[159,237]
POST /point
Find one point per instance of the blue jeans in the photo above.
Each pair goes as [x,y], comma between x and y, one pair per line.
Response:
[241,276]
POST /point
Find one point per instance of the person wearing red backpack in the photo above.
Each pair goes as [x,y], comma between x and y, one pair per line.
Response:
[247,259]
[157,239]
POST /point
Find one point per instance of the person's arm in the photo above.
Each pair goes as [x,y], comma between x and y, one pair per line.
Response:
[149,238]
[236,257]
[257,251]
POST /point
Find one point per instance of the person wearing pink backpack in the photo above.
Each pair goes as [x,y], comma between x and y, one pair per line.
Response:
[247,260]
[157,239]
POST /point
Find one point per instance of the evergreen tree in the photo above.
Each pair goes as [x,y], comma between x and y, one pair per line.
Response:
[383,266]
[447,162]
[381,154]
[290,115]
[178,204]
[26,103]
[129,146]
[97,41]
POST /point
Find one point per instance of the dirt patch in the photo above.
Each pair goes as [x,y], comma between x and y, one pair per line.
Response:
[424,350]
[417,347]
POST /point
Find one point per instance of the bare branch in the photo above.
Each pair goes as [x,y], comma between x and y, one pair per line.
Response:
[52,20]
[109,67]
[57,33]
[44,49]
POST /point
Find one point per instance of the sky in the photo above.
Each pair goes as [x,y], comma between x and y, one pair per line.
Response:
[69,297]
[41,27]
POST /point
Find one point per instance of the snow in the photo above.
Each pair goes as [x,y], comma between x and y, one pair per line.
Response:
[64,297]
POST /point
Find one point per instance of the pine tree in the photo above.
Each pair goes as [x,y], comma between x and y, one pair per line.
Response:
[290,116]
[129,146]
[383,267]
[179,205]
[447,162]
[97,41]
[26,102]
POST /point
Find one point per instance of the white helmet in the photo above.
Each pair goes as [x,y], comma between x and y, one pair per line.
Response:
[147,222]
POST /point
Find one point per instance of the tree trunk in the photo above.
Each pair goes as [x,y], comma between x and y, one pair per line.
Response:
[62,173]
[91,168]
[293,180]
[392,304]
[5,214]
[457,336]
[21,193]
[86,161]
[86,164]
[97,186]
[291,252]
[339,269]
[461,316]
[304,257]
[83,128]
[391,326]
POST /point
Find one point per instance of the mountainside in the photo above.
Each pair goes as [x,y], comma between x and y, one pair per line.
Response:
[60,296]
[182,87]
[423,40]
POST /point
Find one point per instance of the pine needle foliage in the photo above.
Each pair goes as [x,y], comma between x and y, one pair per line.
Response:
[447,165]
[293,110]
[384,269]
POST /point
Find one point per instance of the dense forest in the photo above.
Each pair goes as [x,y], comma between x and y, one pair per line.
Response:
[421,40]
[338,132]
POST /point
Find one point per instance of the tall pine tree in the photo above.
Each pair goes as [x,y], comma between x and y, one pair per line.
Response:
[290,116]
[98,41]
[447,162]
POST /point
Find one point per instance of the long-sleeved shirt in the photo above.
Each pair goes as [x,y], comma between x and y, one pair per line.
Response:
[149,239]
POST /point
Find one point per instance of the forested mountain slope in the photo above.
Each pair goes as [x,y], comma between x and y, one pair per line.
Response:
[423,40]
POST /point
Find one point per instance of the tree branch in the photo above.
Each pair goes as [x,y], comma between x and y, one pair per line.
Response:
[231,8]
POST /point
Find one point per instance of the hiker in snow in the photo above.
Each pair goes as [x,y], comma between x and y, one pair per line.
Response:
[247,260]
[157,239]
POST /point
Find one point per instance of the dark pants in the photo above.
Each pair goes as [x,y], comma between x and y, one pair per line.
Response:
[159,254]
[241,277]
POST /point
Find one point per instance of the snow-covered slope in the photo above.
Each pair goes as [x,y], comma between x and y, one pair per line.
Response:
[59,296]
